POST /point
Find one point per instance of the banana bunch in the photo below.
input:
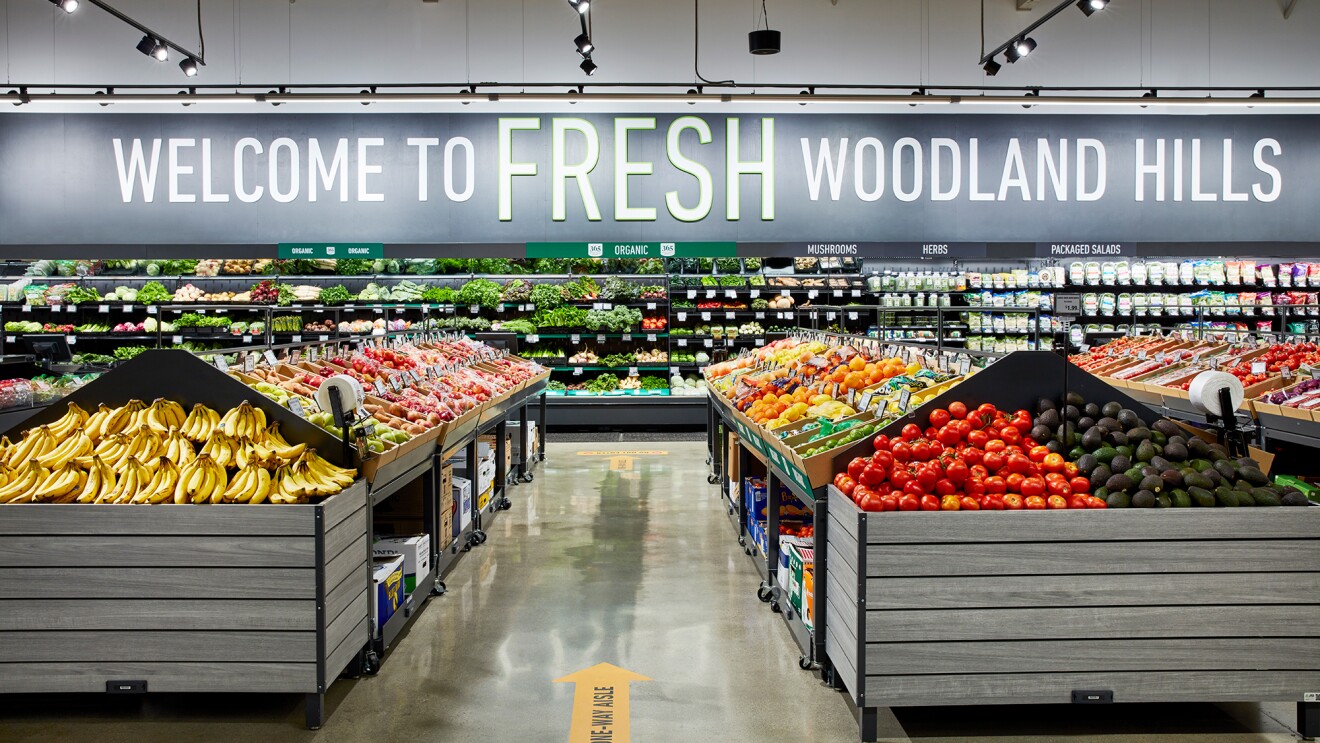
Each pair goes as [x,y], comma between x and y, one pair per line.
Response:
[58,486]
[162,485]
[244,421]
[221,448]
[133,477]
[178,449]
[252,484]
[308,475]
[106,421]
[100,479]
[73,446]
[22,485]
[146,446]
[201,481]
[71,421]
[164,415]
[36,443]
[200,424]
[112,450]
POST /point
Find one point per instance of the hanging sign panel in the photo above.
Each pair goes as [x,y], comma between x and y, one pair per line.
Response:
[632,180]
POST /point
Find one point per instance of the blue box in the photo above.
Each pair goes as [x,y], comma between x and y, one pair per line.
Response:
[387,582]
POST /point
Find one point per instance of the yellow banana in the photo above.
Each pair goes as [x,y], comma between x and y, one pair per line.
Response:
[77,445]
[241,487]
[275,437]
[263,485]
[69,422]
[23,484]
[57,484]
[96,420]
[92,487]
[36,442]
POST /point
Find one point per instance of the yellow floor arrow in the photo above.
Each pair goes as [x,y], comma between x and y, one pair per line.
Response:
[600,704]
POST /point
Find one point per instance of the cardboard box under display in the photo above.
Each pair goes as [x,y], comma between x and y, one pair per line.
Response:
[186,598]
[1146,605]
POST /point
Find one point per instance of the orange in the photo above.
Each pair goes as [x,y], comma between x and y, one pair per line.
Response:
[857,363]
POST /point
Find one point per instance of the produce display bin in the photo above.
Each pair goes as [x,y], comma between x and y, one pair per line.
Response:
[1091,606]
[184,598]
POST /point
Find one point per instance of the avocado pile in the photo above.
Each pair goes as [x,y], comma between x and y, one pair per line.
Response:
[1135,465]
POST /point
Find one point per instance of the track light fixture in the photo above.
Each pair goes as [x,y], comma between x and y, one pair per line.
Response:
[588,67]
[1034,93]
[1019,49]
[584,45]
[189,66]
[919,92]
[1090,7]
[68,6]
[152,47]
[991,67]
[581,6]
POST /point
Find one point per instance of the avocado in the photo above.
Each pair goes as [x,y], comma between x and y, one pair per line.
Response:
[1153,483]
[1253,476]
[1067,434]
[1134,474]
[1087,463]
[1040,433]
[1106,454]
[1162,500]
[1198,480]
[1054,447]
[1201,465]
[1218,451]
[1044,404]
[1101,492]
[1243,486]
[1099,476]
[1197,447]
[1092,440]
[1165,426]
[1158,438]
[1050,419]
[1085,424]
[1160,463]
[1214,476]
[1072,413]
[1076,453]
[1244,499]
[1110,409]
[1120,463]
[1181,498]
[1226,468]
[1117,438]
[1138,434]
[1126,450]
[1294,499]
[1266,497]
[1201,496]
[1143,499]
[1118,500]
[1149,470]
[1109,425]
[1145,451]
[1247,462]
[1175,452]
[1173,479]
[1180,440]
[1091,410]
[1226,497]
[1074,398]
[1119,482]
[1128,418]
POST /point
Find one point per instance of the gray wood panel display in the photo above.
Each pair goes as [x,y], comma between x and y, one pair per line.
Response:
[1024,608]
[186,598]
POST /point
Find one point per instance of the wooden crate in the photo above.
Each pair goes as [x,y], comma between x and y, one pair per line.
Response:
[1174,605]
[211,598]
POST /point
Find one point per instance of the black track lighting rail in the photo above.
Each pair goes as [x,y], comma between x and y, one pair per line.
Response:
[187,53]
[1023,33]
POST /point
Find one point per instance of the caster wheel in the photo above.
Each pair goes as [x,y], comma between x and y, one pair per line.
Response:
[707,460]
[439,589]
[506,504]
[763,593]
[480,536]
[712,479]
[529,477]
[371,663]
[774,606]
[747,551]
[742,541]
[804,663]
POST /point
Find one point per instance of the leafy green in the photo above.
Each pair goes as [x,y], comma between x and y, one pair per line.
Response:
[618,290]
[619,359]
[335,295]
[616,320]
[604,383]
[123,353]
[546,296]
[651,382]
[650,266]
[153,292]
[517,291]
[728,265]
[439,295]
[483,292]
[555,386]
[80,294]
[352,266]
[751,264]
[560,317]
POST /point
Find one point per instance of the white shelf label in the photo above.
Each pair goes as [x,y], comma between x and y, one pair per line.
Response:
[600,338]
[813,294]
[297,339]
[650,305]
[295,407]
[577,371]
[730,294]
[682,342]
[710,293]
[1258,367]
[709,343]
[151,309]
[632,371]
[692,294]
[532,338]
[729,315]
[838,292]
[178,340]
[221,364]
[682,316]
[857,292]
[27,308]
[705,316]
[760,316]
[103,309]
[575,338]
[269,355]
[71,339]
[852,315]
[249,362]
[754,293]
[651,337]
[785,293]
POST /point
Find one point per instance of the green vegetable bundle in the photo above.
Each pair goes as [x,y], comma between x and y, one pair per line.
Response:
[616,320]
[619,359]
[732,281]
[464,323]
[728,265]
[554,386]
[482,292]
[650,266]
[333,295]
[123,353]
[517,326]
[560,317]
[654,383]
[751,265]
[439,295]
[618,290]
[153,292]
[352,266]
[79,294]
[584,288]
[604,383]
[546,296]
[516,291]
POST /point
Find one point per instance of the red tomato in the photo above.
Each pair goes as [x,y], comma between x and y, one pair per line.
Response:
[929,433]
[911,432]
[978,470]
[1077,501]
[968,503]
[995,445]
[1034,503]
[1022,422]
[855,467]
[939,418]
[930,503]
[872,475]
[889,503]
[1053,463]
[1094,502]
[1011,435]
[1070,470]
[958,410]
[987,410]
[950,503]
[949,436]
[975,486]
[993,503]
[1058,487]
[921,451]
[971,456]
[978,439]
[914,487]
[1057,502]
[945,486]
[908,502]
[996,485]
[964,427]
[870,502]
[994,461]
[1013,502]
[899,476]
[1033,486]
[1038,453]
[844,483]
[1080,485]
[881,442]
[1019,463]
[1014,482]
[882,459]
[902,451]
[956,470]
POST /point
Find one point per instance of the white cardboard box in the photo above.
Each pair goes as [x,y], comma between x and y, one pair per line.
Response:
[463,499]
[416,552]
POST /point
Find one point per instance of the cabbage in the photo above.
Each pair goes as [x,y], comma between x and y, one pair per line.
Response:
[702,357]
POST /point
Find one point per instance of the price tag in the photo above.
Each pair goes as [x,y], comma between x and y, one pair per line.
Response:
[705,316]
[710,293]
[650,337]
[1085,347]
[692,293]
[532,338]
[632,371]
[812,294]
[71,339]
[575,338]
[297,339]
[785,293]
[755,293]
[852,315]
[1258,367]
[379,386]
[650,305]
[760,316]
[396,383]
[904,399]
[1159,356]
[295,406]
[682,342]
[472,309]
[830,315]
[1141,355]
[178,340]
[323,338]
[313,354]
[577,371]
[729,315]
[1286,371]
[730,294]
[728,342]
[126,308]
[27,308]
[857,292]
[600,338]
[151,309]
[69,308]
[709,343]
[964,366]
[249,362]
[294,355]
[786,316]
[269,356]
[838,292]
[369,427]
[221,364]
[865,402]
[682,316]
[103,309]
[1214,363]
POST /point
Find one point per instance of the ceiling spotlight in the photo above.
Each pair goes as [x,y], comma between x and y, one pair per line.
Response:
[1258,94]
[1152,93]
[808,91]
[693,91]
[584,45]
[917,92]
[1019,49]
[588,67]
[189,66]
[68,6]
[1089,7]
[153,48]
[581,6]
[189,91]
[1034,93]
[991,67]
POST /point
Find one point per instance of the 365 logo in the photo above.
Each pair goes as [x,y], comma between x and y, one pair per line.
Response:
[667,250]
[596,250]
[329,250]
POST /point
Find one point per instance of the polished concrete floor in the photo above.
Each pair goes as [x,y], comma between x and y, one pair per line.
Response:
[605,559]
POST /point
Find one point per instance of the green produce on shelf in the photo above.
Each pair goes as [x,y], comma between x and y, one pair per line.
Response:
[92,358]
[683,304]
[619,359]
[516,291]
[464,323]
[756,280]
[760,304]
[285,296]
[517,326]
[421,266]
[439,295]
[93,327]
[854,434]
[352,266]
[123,353]
[286,323]
[546,296]
[604,383]
[618,290]
[680,331]
[751,264]
[372,292]
[584,288]
[705,265]
[153,292]
[728,265]
[193,320]
[650,266]
[482,292]
[336,294]
[732,281]
[560,317]
[80,294]
[710,281]
[616,320]
[406,291]
[291,267]
[651,382]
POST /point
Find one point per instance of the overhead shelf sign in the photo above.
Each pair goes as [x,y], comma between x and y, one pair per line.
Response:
[632,250]
[331,250]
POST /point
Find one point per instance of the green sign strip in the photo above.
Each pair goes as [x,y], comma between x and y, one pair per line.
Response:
[331,250]
[632,250]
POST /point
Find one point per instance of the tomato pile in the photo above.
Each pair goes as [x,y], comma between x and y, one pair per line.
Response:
[966,459]
[654,323]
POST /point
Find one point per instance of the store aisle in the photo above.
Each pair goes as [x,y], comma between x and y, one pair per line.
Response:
[614,557]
